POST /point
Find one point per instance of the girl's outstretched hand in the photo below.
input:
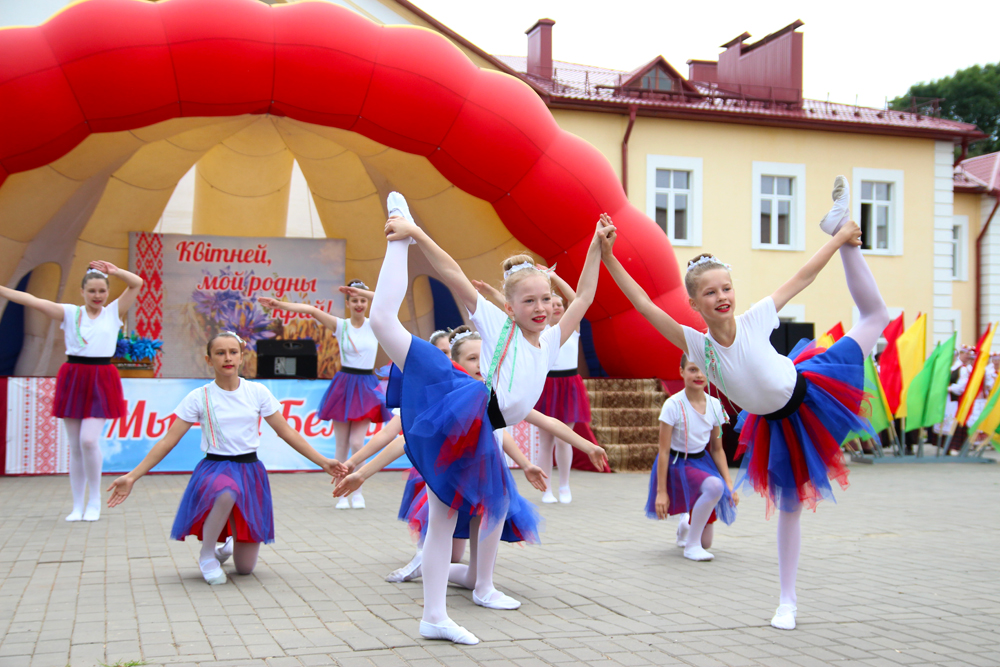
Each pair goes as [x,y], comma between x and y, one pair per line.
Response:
[268,302]
[536,477]
[119,489]
[331,466]
[349,291]
[349,484]
[598,458]
[104,267]
[398,228]
[662,505]
[736,498]
[849,234]
[341,470]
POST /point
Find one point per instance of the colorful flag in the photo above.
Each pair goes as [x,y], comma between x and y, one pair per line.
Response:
[989,418]
[975,377]
[888,366]
[911,347]
[831,336]
[881,415]
[928,391]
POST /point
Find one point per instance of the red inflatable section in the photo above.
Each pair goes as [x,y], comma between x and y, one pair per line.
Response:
[113,65]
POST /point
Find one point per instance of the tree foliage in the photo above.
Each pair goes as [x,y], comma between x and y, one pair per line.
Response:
[970,95]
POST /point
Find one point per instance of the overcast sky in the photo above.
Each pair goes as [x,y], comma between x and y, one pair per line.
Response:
[871,49]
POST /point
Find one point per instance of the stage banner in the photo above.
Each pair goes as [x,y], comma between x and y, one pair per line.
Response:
[197,285]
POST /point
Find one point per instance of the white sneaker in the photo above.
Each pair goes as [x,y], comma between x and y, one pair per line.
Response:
[75,515]
[358,501]
[211,570]
[343,504]
[224,551]
[784,617]
[409,571]
[93,512]
[396,203]
[449,630]
[696,552]
[546,498]
[841,206]
[496,600]
[682,530]
[564,495]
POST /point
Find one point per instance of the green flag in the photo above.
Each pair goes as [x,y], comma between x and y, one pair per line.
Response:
[879,407]
[928,391]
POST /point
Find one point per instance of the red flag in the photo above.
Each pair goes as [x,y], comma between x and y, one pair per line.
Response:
[837,332]
[888,367]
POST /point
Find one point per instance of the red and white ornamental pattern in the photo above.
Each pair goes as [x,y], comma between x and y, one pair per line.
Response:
[36,441]
[149,305]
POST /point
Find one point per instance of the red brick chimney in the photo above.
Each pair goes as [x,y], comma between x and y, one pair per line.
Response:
[540,49]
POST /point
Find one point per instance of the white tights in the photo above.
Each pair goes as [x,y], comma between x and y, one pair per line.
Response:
[564,456]
[85,461]
[389,294]
[789,546]
[244,553]
[874,316]
[711,492]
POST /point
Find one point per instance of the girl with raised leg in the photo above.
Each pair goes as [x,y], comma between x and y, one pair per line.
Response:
[448,416]
[88,387]
[228,498]
[353,399]
[797,412]
[684,481]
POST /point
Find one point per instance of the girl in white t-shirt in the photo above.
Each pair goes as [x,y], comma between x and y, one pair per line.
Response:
[449,417]
[228,497]
[88,387]
[353,400]
[690,475]
[796,412]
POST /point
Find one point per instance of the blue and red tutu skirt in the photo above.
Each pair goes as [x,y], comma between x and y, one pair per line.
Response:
[88,387]
[565,398]
[413,510]
[354,396]
[449,440]
[791,459]
[244,477]
[684,479]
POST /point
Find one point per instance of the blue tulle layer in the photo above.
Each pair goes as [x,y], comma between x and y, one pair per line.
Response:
[684,480]
[351,398]
[253,516]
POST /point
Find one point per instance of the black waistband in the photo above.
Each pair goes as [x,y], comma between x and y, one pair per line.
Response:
[682,455]
[88,361]
[357,371]
[798,395]
[493,411]
[568,373]
[239,458]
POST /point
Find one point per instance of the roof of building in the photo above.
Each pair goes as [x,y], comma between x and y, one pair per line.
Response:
[574,85]
[978,174]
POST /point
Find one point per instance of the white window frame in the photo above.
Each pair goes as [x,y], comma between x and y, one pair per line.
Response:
[694,165]
[961,270]
[797,230]
[895,177]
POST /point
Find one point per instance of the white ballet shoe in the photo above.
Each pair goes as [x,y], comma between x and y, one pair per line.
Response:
[548,497]
[784,617]
[841,206]
[343,504]
[93,512]
[695,552]
[75,515]
[682,531]
[212,571]
[358,501]
[223,552]
[408,572]
[449,630]
[496,600]
[396,204]
[564,495]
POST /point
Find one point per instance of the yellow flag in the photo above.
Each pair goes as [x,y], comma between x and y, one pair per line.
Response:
[976,377]
[912,348]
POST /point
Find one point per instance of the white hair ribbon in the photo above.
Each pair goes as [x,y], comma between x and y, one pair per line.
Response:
[516,268]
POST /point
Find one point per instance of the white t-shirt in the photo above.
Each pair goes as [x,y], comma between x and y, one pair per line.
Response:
[691,428]
[518,388]
[358,347]
[754,375]
[569,354]
[230,420]
[100,333]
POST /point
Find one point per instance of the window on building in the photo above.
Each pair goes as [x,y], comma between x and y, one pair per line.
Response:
[777,197]
[673,203]
[876,214]
[657,79]
[958,240]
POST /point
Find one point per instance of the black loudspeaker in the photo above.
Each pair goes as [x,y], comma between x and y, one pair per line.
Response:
[286,359]
[788,334]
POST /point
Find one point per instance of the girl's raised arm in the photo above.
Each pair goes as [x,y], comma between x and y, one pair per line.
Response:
[587,287]
[661,321]
[569,294]
[122,487]
[398,228]
[356,291]
[132,281]
[324,318]
[49,308]
[490,292]
[849,234]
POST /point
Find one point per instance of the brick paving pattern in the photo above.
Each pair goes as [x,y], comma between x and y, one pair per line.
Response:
[903,571]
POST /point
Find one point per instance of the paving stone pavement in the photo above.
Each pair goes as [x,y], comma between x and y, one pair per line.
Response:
[902,571]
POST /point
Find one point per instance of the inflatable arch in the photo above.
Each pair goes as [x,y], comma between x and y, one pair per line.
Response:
[110,102]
